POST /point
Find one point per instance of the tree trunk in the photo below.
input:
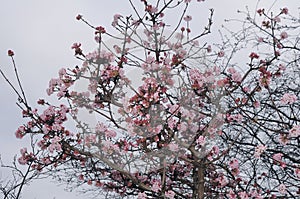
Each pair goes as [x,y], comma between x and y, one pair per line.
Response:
[200,187]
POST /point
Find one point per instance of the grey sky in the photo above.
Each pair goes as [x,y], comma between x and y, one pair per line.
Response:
[41,34]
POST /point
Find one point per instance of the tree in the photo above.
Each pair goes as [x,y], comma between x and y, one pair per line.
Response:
[197,125]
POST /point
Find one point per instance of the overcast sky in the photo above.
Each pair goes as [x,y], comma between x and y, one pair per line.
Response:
[41,33]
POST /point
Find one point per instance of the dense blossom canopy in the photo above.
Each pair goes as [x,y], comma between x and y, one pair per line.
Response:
[196,125]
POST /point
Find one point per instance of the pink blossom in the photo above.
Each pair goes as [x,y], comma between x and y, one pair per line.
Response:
[253,55]
[265,77]
[221,54]
[110,133]
[283,35]
[22,160]
[236,77]
[55,145]
[297,172]
[76,45]
[243,195]
[259,150]
[222,180]
[20,132]
[295,131]
[100,30]
[173,147]
[260,11]
[156,186]
[23,151]
[282,189]
[62,72]
[100,128]
[170,194]
[81,177]
[288,98]
[277,19]
[260,39]
[277,158]
[116,18]
[187,18]
[142,196]
[151,9]
[235,118]
[187,1]
[283,139]
[282,67]
[182,126]
[201,140]
[234,164]
[231,194]
[256,104]
[285,10]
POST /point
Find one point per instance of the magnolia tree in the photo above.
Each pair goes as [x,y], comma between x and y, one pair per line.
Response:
[192,119]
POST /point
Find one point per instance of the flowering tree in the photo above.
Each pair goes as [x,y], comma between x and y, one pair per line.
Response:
[195,124]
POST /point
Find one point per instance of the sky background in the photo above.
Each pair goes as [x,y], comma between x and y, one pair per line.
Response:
[41,33]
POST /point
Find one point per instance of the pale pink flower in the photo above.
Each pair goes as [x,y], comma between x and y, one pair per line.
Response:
[235,118]
[285,10]
[282,189]
[170,194]
[156,186]
[151,9]
[295,131]
[81,177]
[283,139]
[110,133]
[182,127]
[297,172]
[234,164]
[22,160]
[117,16]
[256,104]
[236,77]
[222,181]
[260,11]
[277,157]
[100,128]
[187,18]
[209,49]
[62,72]
[259,150]
[76,45]
[55,145]
[288,98]
[277,19]
[281,67]
[283,35]
[231,194]
[142,196]
[201,140]
[20,132]
[243,195]
[260,39]
[173,147]
[23,151]
[221,54]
